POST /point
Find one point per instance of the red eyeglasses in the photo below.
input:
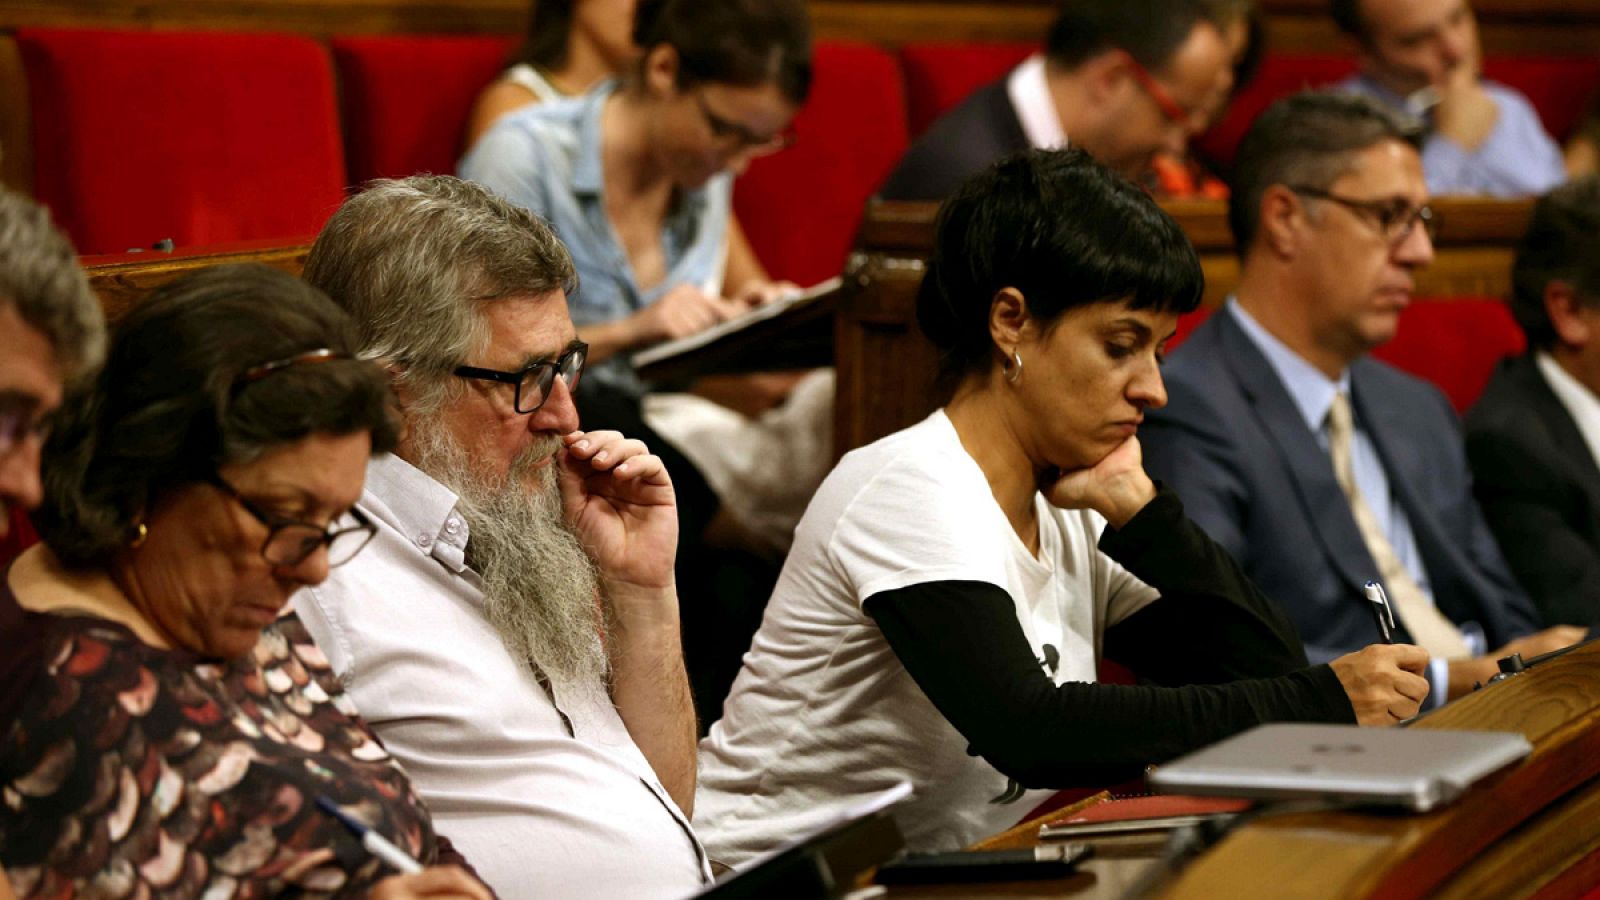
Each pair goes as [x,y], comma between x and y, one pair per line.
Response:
[1174,112]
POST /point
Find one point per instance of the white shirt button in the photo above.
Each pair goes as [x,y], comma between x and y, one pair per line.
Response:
[424,541]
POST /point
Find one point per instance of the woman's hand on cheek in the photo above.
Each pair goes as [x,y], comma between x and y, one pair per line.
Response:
[1115,487]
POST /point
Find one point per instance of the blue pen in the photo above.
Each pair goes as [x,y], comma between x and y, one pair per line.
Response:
[375,843]
[1382,612]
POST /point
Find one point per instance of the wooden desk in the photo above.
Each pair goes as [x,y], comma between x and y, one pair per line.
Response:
[1530,830]
[886,367]
[123,279]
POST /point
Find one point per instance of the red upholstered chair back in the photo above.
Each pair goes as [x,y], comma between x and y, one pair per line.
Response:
[800,208]
[406,99]
[1279,76]
[939,76]
[201,138]
[1562,89]
[1454,343]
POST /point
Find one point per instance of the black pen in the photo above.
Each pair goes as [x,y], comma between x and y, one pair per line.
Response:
[1382,613]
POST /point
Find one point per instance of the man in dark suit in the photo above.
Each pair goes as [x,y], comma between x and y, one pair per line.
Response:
[1534,436]
[1319,468]
[1123,79]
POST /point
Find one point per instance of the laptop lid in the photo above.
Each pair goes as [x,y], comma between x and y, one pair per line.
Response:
[1416,769]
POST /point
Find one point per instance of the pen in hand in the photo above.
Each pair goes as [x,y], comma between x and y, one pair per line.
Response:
[375,843]
[1382,612]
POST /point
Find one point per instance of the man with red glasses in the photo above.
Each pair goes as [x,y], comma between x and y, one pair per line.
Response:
[1317,467]
[1423,57]
[52,330]
[1122,79]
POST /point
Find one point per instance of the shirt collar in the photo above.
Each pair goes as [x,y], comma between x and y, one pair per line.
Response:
[1311,390]
[1373,88]
[586,175]
[1029,91]
[421,509]
[1579,401]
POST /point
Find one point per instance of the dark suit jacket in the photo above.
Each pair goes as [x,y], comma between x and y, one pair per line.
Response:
[1250,472]
[1540,490]
[980,132]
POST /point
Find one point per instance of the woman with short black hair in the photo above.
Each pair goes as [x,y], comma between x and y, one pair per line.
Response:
[953,586]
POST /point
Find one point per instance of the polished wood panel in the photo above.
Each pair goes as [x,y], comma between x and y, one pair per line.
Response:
[886,368]
[1508,26]
[123,279]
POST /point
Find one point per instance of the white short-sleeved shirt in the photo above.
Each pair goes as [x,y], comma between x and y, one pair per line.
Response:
[823,711]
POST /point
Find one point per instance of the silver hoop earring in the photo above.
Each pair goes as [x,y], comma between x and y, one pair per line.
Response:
[1013,368]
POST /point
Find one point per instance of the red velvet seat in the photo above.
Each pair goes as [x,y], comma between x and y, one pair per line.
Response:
[21,537]
[1454,343]
[800,208]
[406,99]
[201,138]
[1562,89]
[1279,76]
[939,76]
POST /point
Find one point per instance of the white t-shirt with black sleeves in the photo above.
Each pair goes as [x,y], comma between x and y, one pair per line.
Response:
[823,711]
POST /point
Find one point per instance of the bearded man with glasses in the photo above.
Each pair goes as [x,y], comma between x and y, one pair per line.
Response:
[512,630]
[1317,467]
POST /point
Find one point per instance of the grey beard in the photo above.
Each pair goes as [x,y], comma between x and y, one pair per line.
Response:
[540,588]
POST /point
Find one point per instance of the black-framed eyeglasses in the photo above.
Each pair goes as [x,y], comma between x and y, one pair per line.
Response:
[1395,218]
[290,541]
[732,132]
[19,420]
[534,382]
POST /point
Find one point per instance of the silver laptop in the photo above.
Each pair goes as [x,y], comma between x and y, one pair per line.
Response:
[1398,767]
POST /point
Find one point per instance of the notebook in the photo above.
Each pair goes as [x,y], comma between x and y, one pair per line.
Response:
[1410,768]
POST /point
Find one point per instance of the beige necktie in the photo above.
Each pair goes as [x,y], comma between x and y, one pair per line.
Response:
[1428,627]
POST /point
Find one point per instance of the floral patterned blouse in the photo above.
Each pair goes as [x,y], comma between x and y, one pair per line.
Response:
[130,771]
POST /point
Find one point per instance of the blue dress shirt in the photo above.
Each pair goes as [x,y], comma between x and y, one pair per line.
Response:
[547,158]
[1518,159]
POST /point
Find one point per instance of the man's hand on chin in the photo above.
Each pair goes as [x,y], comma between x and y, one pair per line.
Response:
[620,501]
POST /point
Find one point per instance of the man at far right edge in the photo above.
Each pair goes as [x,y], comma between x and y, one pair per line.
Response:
[1317,467]
[1534,437]
[1423,58]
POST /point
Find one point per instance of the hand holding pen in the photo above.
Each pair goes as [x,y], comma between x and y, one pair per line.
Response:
[1382,612]
[414,880]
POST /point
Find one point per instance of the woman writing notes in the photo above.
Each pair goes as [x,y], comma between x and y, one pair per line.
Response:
[160,732]
[637,179]
[953,586]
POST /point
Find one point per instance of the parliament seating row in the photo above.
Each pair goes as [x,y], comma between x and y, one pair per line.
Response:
[204,138]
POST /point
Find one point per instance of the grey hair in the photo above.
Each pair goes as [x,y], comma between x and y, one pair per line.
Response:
[413,260]
[1310,139]
[40,278]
